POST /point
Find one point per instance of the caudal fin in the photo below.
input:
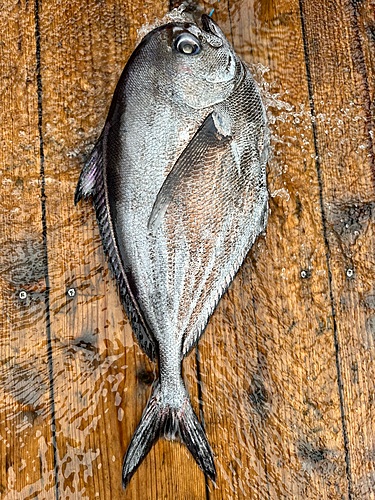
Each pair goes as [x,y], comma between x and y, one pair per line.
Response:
[160,419]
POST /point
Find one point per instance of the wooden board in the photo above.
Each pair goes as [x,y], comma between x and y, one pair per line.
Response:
[26,441]
[284,375]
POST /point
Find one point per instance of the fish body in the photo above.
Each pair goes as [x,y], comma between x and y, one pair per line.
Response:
[179,185]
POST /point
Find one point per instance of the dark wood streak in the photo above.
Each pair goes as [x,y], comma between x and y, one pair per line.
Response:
[259,368]
[230,22]
[45,244]
[201,413]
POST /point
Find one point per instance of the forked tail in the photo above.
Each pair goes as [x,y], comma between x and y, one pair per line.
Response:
[162,418]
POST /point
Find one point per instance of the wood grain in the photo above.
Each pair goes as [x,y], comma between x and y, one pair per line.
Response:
[283,376]
[26,441]
[347,193]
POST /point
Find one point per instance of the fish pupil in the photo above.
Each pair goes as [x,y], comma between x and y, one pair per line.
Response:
[187,48]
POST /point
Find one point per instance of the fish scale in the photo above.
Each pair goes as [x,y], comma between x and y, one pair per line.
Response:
[178,182]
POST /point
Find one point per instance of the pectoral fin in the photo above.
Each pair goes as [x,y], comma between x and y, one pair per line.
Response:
[204,145]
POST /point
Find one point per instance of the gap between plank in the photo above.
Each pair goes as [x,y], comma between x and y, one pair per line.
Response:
[201,414]
[324,224]
[259,369]
[230,24]
[45,248]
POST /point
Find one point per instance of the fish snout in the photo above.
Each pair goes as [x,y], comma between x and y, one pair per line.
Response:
[213,34]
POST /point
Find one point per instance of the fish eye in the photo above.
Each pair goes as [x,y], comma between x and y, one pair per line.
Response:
[187,44]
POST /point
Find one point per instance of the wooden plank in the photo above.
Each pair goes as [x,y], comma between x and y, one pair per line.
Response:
[26,440]
[101,378]
[285,367]
[272,405]
[340,98]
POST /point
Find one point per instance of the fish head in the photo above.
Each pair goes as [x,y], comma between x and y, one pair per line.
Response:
[196,66]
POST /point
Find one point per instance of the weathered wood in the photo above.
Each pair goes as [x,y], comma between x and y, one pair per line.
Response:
[26,444]
[284,373]
[340,96]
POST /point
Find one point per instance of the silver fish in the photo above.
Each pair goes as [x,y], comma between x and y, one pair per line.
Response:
[178,180]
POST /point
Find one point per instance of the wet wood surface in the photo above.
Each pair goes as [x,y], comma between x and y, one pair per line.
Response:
[283,377]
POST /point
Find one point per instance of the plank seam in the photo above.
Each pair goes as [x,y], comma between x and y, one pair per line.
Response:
[230,23]
[326,243]
[44,235]
[259,369]
[201,413]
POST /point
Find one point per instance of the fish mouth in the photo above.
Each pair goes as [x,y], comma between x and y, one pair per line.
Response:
[206,23]
[211,33]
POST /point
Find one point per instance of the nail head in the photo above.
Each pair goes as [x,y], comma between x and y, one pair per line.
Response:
[349,273]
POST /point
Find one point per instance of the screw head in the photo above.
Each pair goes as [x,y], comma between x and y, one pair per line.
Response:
[350,273]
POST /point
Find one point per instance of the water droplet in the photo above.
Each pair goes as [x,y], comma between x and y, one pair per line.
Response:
[349,273]
[22,295]
[71,292]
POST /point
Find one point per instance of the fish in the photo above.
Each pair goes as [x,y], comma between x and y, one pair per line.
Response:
[178,181]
